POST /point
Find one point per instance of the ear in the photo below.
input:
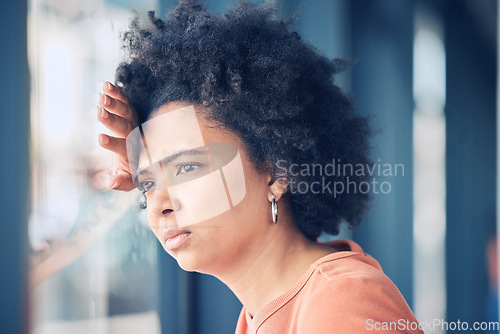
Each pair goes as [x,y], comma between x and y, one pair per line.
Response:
[276,187]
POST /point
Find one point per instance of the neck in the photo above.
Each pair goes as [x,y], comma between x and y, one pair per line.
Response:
[272,265]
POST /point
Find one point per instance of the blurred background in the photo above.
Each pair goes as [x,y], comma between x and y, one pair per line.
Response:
[82,260]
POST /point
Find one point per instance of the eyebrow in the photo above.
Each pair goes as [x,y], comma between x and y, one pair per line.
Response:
[170,158]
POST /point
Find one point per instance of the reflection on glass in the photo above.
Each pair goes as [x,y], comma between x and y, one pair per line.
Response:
[93,263]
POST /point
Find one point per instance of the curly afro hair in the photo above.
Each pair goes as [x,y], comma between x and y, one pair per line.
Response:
[266,85]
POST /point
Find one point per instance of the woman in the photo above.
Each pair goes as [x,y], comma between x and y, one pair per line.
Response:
[225,97]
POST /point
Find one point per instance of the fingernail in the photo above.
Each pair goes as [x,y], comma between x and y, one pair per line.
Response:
[105,100]
[110,86]
[111,185]
[104,113]
[115,185]
[104,140]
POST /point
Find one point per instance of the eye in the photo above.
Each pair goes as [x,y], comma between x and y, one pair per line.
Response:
[187,168]
[146,185]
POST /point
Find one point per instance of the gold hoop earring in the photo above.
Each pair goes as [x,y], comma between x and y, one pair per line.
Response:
[274,210]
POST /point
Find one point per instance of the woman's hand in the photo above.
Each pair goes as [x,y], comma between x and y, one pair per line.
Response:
[116,113]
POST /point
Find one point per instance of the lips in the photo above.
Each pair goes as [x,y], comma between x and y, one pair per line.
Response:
[175,238]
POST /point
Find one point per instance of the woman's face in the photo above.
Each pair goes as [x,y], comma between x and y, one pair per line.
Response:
[206,202]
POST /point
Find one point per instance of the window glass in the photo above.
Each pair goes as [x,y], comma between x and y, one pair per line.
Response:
[93,264]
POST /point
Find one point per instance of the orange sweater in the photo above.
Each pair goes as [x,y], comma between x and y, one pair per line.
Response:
[344,292]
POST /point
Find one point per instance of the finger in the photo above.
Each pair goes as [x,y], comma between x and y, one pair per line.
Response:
[100,179]
[115,92]
[113,144]
[119,125]
[121,181]
[117,107]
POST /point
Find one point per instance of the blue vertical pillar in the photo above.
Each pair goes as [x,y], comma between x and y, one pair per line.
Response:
[14,167]
[382,40]
[470,156]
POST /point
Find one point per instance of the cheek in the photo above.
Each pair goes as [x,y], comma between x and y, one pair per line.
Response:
[200,199]
[250,217]
[153,223]
[211,195]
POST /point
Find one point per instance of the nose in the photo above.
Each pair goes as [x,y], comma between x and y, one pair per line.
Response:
[166,211]
[162,205]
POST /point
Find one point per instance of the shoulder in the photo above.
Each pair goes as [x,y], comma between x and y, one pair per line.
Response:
[348,291]
[353,278]
[349,265]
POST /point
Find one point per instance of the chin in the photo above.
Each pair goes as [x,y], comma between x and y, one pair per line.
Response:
[187,261]
[188,267]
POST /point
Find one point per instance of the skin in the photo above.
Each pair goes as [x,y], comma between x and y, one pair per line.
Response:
[256,259]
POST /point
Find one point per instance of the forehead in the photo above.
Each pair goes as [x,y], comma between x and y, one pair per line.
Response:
[174,127]
[169,132]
